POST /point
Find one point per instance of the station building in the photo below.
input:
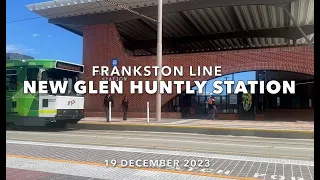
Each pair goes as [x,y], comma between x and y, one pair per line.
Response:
[272,38]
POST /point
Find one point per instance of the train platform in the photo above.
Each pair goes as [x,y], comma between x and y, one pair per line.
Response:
[276,129]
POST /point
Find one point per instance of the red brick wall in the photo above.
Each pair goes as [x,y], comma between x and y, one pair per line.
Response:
[289,114]
[102,43]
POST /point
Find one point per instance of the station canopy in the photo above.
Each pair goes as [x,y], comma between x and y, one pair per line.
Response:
[191,25]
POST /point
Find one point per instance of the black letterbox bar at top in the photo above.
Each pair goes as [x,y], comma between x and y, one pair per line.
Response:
[70,67]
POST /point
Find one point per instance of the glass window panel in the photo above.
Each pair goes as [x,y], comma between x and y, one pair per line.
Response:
[11,82]
[236,110]
[218,101]
[202,100]
[223,104]
[295,102]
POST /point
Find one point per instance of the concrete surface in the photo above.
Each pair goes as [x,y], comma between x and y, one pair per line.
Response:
[82,154]
[275,129]
[249,146]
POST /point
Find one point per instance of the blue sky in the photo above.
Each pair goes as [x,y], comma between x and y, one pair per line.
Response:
[42,40]
[37,37]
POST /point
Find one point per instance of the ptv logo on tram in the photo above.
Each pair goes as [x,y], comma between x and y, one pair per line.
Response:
[70,103]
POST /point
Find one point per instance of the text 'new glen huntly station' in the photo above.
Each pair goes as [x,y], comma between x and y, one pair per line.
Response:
[199,34]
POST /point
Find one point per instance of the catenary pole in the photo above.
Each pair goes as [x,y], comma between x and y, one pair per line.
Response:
[159,49]
[159,60]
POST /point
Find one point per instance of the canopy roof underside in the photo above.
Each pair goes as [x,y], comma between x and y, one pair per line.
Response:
[190,25]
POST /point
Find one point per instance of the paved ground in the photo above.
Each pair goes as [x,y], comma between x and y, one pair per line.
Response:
[235,145]
[296,125]
[54,170]
[64,156]
[15,174]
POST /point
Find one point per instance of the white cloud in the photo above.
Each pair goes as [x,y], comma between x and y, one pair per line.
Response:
[49,36]
[35,35]
[18,48]
[11,48]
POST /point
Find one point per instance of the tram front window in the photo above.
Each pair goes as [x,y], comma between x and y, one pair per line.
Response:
[62,75]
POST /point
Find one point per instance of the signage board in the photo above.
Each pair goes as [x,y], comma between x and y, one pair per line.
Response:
[233,99]
[69,67]
[246,105]
[114,62]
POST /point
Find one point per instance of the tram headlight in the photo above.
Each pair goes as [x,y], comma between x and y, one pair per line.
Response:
[61,111]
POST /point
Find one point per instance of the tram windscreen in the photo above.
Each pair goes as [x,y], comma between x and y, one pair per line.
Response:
[62,75]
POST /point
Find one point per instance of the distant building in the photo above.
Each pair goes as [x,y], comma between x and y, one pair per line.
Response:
[17,56]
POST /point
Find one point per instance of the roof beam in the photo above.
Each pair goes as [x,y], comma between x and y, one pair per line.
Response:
[296,24]
[289,20]
[123,15]
[227,49]
[192,26]
[70,29]
[154,31]
[292,33]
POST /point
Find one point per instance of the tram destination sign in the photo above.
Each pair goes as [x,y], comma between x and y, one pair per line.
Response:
[69,66]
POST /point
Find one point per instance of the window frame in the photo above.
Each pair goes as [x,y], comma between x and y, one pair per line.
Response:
[36,77]
[15,74]
[28,70]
